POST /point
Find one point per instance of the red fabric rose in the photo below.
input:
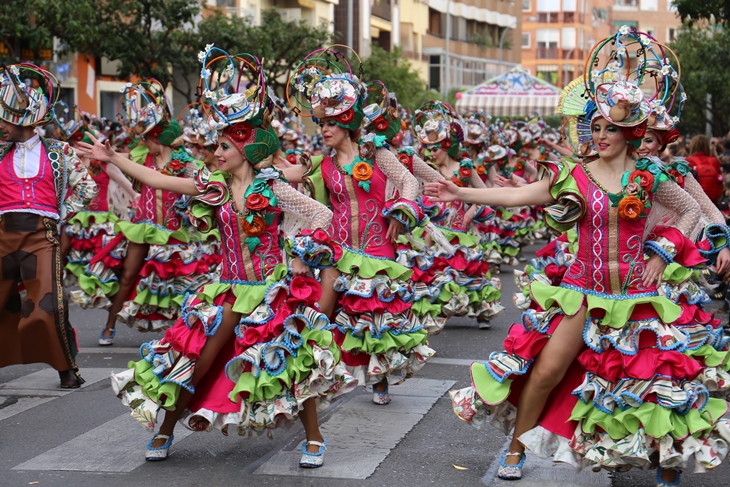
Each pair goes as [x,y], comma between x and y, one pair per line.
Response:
[78,136]
[381,124]
[636,132]
[446,144]
[305,288]
[677,177]
[346,116]
[155,132]
[239,132]
[291,158]
[175,165]
[256,202]
[646,179]
[464,172]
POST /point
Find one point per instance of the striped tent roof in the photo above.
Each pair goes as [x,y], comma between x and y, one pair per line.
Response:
[513,94]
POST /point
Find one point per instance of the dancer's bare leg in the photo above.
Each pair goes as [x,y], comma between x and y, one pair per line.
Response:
[329,298]
[549,369]
[133,262]
[213,346]
[308,415]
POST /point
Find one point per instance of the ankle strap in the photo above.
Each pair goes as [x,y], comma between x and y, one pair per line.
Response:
[315,443]
[161,437]
[514,454]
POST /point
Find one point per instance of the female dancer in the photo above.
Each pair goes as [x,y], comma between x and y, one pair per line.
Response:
[250,352]
[381,343]
[473,292]
[626,400]
[154,253]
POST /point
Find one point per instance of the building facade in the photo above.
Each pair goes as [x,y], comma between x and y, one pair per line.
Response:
[656,17]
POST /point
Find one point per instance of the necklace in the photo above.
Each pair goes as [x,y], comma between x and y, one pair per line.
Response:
[241,213]
[594,180]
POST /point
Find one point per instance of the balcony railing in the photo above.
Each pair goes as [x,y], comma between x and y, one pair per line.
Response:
[547,52]
[381,9]
[548,17]
[568,17]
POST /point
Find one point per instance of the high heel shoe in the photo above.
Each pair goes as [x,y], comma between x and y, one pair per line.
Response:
[313,460]
[664,483]
[106,341]
[381,398]
[511,472]
[159,453]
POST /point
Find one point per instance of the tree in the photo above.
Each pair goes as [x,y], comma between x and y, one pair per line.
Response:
[704,54]
[398,75]
[693,11]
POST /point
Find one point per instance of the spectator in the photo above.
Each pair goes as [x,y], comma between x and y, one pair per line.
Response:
[726,148]
[706,167]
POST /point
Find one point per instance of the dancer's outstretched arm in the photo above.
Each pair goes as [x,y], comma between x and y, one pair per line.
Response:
[150,177]
[537,193]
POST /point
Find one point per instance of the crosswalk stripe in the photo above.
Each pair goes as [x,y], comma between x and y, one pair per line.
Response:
[40,387]
[115,446]
[361,434]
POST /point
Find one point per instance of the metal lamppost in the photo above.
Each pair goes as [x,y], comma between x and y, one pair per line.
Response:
[447,58]
[501,44]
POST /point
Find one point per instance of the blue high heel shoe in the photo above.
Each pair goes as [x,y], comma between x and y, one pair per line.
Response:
[313,460]
[106,341]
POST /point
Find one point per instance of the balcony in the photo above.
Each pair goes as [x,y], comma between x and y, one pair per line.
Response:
[547,52]
[381,8]
[568,17]
[548,17]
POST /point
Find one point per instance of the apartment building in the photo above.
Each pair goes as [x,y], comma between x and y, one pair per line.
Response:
[656,17]
[558,34]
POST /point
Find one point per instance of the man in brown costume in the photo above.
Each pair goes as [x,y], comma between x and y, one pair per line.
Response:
[42,182]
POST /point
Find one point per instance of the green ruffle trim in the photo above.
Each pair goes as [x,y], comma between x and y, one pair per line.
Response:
[368,267]
[465,238]
[711,356]
[487,294]
[76,269]
[84,218]
[424,307]
[675,273]
[618,311]
[267,386]
[146,296]
[510,250]
[564,186]
[487,387]
[145,233]
[248,296]
[506,214]
[317,182]
[656,420]
[89,284]
[139,154]
[163,394]
[388,341]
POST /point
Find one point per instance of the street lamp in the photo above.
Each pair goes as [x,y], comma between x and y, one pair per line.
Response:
[501,44]
[447,58]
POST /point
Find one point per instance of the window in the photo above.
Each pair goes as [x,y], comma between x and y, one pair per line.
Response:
[548,5]
[672,33]
[525,40]
[568,6]
[548,73]
[547,43]
[671,7]
[526,5]
[649,29]
[626,3]
[650,5]
[435,23]
[568,38]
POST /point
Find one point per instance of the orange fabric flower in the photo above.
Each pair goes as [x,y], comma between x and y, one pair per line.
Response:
[481,169]
[459,183]
[646,179]
[255,228]
[362,171]
[630,208]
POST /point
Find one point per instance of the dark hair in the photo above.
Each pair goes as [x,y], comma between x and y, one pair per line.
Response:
[726,144]
[699,143]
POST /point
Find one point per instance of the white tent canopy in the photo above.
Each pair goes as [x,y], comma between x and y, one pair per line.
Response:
[513,94]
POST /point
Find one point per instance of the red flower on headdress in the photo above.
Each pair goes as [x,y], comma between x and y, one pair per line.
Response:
[346,117]
[636,132]
[380,124]
[446,144]
[239,132]
[155,132]
[78,136]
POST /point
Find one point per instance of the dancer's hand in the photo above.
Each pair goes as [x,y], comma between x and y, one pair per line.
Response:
[442,190]
[299,268]
[395,228]
[722,265]
[654,270]
[101,152]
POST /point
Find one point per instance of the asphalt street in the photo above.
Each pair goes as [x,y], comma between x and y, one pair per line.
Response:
[49,437]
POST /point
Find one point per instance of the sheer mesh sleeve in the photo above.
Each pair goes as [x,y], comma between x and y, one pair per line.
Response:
[423,172]
[708,208]
[476,181]
[191,168]
[675,199]
[292,201]
[397,174]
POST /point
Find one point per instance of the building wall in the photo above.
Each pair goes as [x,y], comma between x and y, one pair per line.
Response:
[656,17]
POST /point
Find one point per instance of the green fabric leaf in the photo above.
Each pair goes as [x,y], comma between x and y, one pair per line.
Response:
[252,243]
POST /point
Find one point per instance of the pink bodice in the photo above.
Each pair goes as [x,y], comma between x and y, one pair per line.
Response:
[453,215]
[100,202]
[157,206]
[358,222]
[36,194]
[610,250]
[239,262]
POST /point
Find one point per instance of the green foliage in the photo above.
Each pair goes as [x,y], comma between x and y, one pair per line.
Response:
[704,54]
[692,11]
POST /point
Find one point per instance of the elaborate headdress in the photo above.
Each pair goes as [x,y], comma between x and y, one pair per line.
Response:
[195,128]
[323,85]
[476,129]
[436,124]
[143,110]
[69,120]
[237,103]
[27,94]
[382,115]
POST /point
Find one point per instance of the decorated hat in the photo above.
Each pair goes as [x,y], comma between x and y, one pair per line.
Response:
[622,103]
[664,78]
[27,94]
[382,115]
[436,124]
[324,86]
[196,129]
[237,102]
[495,153]
[68,118]
[476,129]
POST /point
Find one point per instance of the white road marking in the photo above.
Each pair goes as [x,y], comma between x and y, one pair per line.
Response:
[115,446]
[361,434]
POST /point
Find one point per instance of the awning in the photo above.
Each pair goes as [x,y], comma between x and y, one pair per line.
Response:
[512,94]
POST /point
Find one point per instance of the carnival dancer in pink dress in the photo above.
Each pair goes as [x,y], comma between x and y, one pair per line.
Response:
[610,385]
[367,290]
[143,274]
[473,292]
[251,352]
